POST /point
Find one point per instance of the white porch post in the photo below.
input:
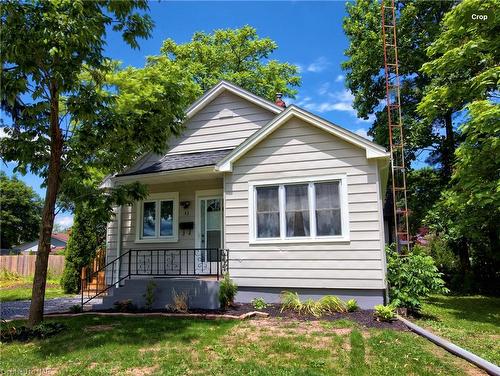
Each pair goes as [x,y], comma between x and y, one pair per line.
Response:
[119,243]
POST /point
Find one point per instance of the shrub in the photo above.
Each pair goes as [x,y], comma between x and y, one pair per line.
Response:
[10,332]
[88,234]
[227,291]
[332,304]
[125,306]
[149,296]
[290,300]
[7,275]
[259,303]
[180,302]
[352,305]
[384,313]
[76,308]
[411,278]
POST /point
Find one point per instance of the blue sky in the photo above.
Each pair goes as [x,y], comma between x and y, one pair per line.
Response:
[308,34]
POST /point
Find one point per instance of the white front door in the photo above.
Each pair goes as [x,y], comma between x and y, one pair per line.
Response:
[209,234]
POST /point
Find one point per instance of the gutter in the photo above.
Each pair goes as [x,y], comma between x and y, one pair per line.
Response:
[490,368]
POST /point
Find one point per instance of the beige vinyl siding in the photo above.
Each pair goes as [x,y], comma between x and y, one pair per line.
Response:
[295,150]
[223,124]
[187,191]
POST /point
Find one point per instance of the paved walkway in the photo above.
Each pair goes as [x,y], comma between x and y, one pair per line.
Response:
[20,309]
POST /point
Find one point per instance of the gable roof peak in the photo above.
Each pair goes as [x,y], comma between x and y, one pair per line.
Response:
[223,86]
[372,149]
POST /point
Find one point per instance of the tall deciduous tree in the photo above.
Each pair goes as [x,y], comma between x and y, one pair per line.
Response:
[20,209]
[465,73]
[236,55]
[418,25]
[64,124]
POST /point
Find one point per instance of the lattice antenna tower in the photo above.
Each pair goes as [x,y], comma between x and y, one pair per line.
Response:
[395,125]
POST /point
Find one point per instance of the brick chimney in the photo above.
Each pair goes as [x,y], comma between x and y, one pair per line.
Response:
[279,101]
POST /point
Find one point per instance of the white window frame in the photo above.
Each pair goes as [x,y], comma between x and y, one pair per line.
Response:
[157,198]
[344,210]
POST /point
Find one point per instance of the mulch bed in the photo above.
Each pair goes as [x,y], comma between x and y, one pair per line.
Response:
[362,317]
[239,310]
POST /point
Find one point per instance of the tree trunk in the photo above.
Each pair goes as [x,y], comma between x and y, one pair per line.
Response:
[448,147]
[53,180]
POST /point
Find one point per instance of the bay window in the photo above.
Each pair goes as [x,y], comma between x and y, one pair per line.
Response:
[295,210]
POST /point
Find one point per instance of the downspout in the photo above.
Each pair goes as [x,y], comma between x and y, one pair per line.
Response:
[119,243]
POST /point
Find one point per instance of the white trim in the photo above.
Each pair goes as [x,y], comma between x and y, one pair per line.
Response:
[344,210]
[223,212]
[157,197]
[372,150]
[119,243]
[381,227]
[206,193]
[227,86]
[152,175]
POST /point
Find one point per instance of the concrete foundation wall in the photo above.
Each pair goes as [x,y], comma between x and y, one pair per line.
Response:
[366,299]
[202,294]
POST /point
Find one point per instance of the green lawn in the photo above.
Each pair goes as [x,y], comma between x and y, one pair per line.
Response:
[94,345]
[15,287]
[472,322]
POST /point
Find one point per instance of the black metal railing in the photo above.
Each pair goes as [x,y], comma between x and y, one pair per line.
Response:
[189,262]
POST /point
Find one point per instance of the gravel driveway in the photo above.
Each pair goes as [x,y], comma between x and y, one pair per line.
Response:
[20,309]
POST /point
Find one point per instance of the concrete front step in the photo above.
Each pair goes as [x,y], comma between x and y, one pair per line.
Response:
[201,294]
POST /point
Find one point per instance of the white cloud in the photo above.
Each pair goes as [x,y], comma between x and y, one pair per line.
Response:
[318,65]
[339,78]
[64,220]
[324,88]
[332,101]
[300,67]
[363,133]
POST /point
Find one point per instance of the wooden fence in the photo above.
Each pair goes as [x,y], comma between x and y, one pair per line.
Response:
[25,264]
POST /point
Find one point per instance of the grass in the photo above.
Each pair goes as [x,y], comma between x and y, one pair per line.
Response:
[16,287]
[471,322]
[96,345]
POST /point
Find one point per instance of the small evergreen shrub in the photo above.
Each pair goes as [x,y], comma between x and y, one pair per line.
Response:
[227,291]
[149,296]
[259,303]
[384,313]
[352,305]
[411,278]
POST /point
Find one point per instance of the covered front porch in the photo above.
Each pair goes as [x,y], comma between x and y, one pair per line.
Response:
[175,233]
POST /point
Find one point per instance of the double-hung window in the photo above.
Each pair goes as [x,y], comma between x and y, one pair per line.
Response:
[157,218]
[296,210]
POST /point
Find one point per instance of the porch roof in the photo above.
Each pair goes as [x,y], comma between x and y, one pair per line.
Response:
[182,161]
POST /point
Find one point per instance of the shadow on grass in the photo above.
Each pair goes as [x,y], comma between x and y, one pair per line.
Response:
[116,333]
[481,309]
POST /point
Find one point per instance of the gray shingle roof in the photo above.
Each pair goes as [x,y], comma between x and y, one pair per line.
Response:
[182,161]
